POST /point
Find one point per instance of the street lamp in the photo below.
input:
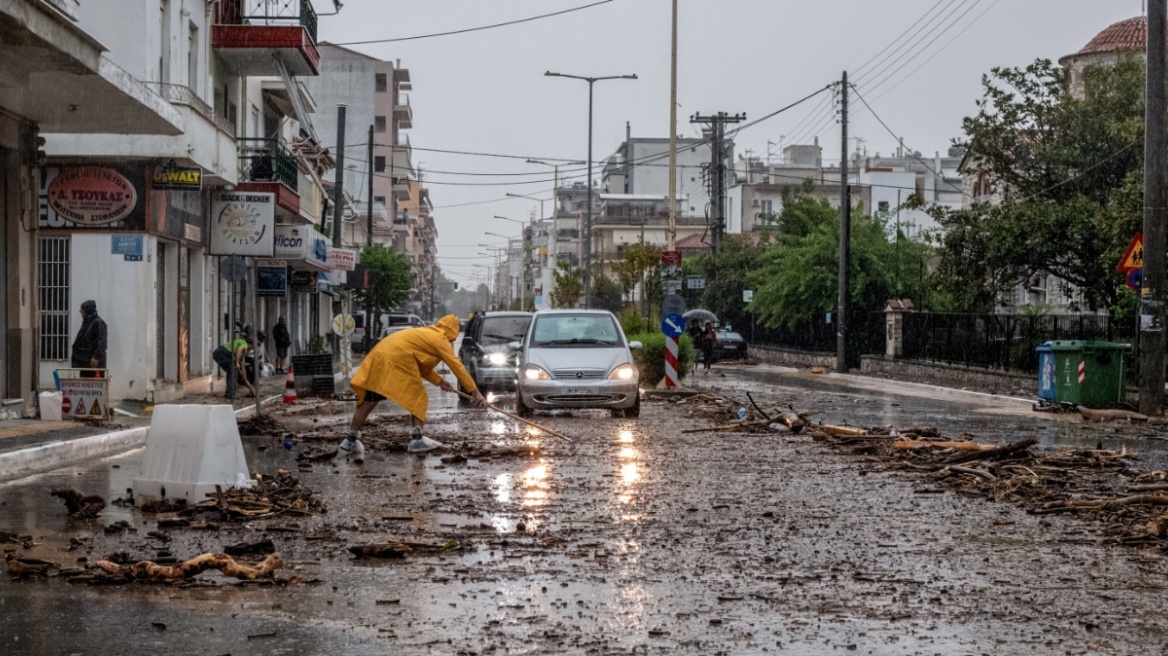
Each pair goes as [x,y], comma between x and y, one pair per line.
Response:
[506,219]
[588,212]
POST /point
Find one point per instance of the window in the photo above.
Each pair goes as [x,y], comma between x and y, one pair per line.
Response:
[379,164]
[379,124]
[193,59]
[379,82]
[767,206]
[53,269]
[379,199]
[882,206]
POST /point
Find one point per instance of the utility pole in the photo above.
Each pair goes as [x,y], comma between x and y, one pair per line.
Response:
[369,222]
[433,287]
[845,237]
[671,238]
[1152,294]
[717,172]
[339,192]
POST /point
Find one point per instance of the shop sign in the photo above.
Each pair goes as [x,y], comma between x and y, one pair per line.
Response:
[301,243]
[342,259]
[242,223]
[91,195]
[271,281]
[178,179]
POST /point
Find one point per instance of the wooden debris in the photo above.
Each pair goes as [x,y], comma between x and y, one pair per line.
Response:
[146,570]
[956,446]
[738,425]
[387,550]
[270,496]
[843,430]
[19,568]
[520,451]
[994,453]
[1110,415]
[793,420]
[78,503]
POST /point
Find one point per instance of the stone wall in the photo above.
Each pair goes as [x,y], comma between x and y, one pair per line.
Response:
[949,375]
[791,357]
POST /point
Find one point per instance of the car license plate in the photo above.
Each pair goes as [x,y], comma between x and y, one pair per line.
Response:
[578,390]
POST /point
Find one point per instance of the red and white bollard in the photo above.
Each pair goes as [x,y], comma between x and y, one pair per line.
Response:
[1082,372]
[671,350]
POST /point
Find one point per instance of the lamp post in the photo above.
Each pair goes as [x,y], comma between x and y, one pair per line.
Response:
[553,247]
[497,250]
[588,212]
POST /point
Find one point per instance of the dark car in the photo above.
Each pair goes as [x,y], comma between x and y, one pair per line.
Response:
[485,350]
[730,345]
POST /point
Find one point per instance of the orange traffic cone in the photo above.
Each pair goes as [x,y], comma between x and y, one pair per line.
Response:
[290,389]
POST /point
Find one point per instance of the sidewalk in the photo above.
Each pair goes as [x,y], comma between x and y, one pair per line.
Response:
[29,446]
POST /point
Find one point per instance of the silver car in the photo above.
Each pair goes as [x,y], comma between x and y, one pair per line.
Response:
[577,359]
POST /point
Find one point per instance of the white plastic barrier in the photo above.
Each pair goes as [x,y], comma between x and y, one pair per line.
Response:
[50,404]
[190,450]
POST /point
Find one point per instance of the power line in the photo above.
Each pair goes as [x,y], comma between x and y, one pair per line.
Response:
[476,29]
[911,42]
[924,48]
[899,37]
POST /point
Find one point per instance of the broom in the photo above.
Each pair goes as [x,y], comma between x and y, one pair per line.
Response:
[516,417]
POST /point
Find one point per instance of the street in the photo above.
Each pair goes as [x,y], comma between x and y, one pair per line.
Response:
[635,538]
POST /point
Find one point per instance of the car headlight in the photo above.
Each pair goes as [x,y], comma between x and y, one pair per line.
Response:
[624,372]
[497,359]
[533,372]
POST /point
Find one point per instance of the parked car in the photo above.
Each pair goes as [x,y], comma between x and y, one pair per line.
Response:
[390,322]
[577,359]
[488,351]
[730,345]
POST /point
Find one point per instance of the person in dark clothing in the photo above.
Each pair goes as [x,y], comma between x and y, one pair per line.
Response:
[283,340]
[89,347]
[709,340]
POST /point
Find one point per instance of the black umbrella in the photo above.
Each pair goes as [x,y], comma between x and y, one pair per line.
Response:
[700,316]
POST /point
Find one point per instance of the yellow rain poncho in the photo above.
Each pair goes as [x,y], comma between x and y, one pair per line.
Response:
[396,366]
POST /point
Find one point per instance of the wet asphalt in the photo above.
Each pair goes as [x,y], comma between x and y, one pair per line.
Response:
[636,538]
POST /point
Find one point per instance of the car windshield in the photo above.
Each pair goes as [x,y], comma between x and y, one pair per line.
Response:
[576,329]
[503,330]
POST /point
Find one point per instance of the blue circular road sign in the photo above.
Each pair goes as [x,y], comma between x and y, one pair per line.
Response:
[673,325]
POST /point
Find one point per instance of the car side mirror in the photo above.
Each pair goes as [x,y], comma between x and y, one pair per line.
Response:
[635,345]
[515,346]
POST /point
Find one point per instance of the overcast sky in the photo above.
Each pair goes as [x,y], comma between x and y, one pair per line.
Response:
[485,91]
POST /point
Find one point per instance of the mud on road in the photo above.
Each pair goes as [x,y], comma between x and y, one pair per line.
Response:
[635,538]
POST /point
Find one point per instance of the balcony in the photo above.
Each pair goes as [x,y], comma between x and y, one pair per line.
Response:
[247,33]
[266,165]
[401,77]
[403,113]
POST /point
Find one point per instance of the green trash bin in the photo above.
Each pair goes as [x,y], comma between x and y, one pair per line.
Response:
[1089,373]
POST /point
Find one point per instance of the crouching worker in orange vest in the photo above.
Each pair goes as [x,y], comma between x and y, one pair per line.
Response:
[394,370]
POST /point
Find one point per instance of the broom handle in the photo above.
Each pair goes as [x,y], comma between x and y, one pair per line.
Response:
[516,417]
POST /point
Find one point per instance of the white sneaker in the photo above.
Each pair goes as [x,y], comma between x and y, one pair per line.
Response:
[352,445]
[421,444]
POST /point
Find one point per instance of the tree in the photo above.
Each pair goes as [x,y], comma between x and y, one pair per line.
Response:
[796,280]
[389,280]
[606,294]
[1068,171]
[728,274]
[640,259]
[569,285]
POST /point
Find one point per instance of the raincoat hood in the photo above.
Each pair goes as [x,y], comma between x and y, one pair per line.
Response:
[449,327]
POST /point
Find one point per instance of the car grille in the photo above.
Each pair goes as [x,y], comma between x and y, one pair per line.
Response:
[578,398]
[585,374]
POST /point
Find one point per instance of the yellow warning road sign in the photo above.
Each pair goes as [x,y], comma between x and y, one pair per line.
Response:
[1134,257]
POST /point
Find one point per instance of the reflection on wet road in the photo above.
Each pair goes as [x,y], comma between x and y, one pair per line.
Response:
[635,538]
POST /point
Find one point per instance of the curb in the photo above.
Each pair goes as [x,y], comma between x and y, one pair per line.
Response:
[60,453]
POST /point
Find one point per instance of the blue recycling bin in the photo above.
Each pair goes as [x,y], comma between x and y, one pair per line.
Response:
[1046,378]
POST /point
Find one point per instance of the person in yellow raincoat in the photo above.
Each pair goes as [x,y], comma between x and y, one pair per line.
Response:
[394,370]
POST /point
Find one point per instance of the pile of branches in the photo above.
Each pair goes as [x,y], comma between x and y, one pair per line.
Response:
[1093,484]
[726,412]
[269,496]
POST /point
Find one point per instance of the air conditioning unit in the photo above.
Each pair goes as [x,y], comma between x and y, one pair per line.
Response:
[755,203]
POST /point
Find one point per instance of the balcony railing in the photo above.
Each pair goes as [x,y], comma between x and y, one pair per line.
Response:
[267,160]
[268,12]
[176,94]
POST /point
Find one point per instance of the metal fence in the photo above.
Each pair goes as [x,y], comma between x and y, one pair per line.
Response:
[993,341]
[866,335]
[1001,341]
